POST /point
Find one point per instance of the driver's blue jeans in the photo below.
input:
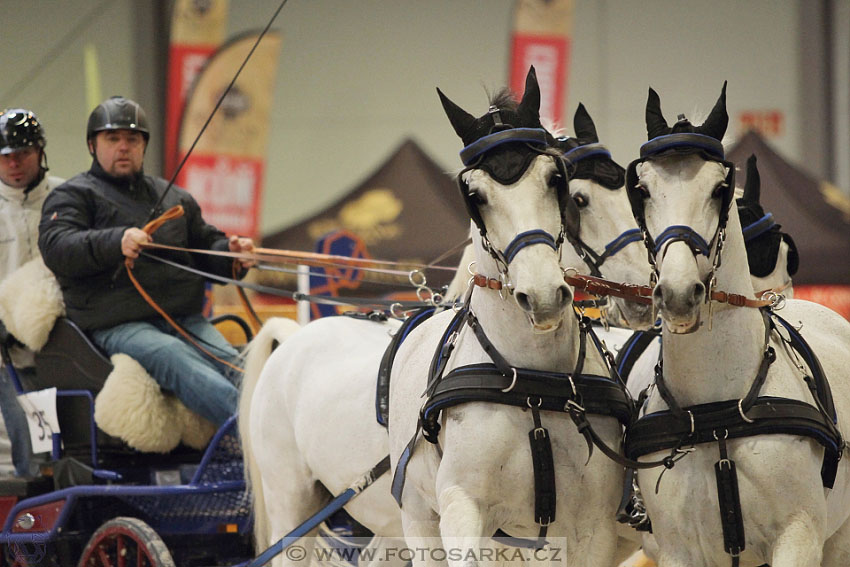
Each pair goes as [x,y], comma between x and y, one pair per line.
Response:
[201,383]
[16,420]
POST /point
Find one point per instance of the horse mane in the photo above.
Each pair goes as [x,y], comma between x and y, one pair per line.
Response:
[504,99]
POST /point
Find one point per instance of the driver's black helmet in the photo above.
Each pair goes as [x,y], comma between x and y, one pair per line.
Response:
[20,129]
[118,113]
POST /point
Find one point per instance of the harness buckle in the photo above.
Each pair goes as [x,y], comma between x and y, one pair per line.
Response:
[541,430]
[572,406]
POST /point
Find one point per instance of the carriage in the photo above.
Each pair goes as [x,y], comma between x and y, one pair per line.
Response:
[447,504]
[101,503]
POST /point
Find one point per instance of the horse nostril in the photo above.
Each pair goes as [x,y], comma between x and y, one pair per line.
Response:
[524,301]
[564,296]
[658,293]
[699,291]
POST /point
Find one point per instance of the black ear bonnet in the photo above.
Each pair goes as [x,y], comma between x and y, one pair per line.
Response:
[682,138]
[504,143]
[762,235]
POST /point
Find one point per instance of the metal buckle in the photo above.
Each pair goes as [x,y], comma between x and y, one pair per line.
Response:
[542,431]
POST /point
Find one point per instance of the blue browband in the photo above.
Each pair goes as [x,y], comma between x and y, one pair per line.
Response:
[575,155]
[528,238]
[683,140]
[528,135]
[759,227]
[685,234]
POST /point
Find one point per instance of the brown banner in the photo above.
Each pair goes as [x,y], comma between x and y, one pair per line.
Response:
[197,30]
[225,171]
[541,37]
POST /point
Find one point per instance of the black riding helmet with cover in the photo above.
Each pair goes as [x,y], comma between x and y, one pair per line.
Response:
[20,129]
[118,113]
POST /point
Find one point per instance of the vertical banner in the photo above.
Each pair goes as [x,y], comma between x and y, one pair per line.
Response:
[541,37]
[225,170]
[197,29]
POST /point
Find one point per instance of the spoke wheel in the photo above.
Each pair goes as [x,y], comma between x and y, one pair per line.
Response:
[125,542]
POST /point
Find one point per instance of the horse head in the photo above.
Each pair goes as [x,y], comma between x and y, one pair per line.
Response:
[680,190]
[515,190]
[771,253]
[607,227]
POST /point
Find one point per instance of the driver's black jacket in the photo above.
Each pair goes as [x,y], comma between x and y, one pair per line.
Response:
[80,233]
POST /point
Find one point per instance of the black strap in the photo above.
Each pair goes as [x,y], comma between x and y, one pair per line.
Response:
[497,358]
[631,351]
[382,389]
[543,463]
[729,502]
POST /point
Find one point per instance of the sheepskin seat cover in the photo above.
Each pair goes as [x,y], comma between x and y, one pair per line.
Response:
[131,405]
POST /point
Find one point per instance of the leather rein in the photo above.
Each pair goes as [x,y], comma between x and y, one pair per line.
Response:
[637,293]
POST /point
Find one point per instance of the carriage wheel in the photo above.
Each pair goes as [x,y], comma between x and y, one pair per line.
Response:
[125,542]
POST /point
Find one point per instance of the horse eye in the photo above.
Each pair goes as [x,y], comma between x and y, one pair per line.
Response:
[581,200]
[719,191]
[477,198]
[555,180]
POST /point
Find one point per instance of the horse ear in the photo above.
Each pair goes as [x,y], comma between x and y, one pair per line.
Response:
[583,125]
[461,120]
[656,125]
[752,188]
[718,119]
[529,106]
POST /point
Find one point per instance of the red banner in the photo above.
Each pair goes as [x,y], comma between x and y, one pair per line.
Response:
[541,37]
[230,188]
[836,297]
[197,29]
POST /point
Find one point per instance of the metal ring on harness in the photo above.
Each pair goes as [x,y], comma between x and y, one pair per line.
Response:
[528,402]
[513,383]
[777,300]
[741,411]
[412,278]
[397,311]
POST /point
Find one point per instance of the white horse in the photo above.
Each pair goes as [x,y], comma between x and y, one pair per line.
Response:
[771,254]
[307,410]
[773,262]
[480,478]
[714,353]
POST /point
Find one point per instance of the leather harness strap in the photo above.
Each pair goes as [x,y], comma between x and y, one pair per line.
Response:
[631,292]
[150,228]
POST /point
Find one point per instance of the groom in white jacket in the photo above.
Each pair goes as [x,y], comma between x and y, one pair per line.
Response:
[23,187]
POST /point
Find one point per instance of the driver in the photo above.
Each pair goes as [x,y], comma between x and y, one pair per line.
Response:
[90,224]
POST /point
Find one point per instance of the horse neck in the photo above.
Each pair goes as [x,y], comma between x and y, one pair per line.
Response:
[720,362]
[508,328]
